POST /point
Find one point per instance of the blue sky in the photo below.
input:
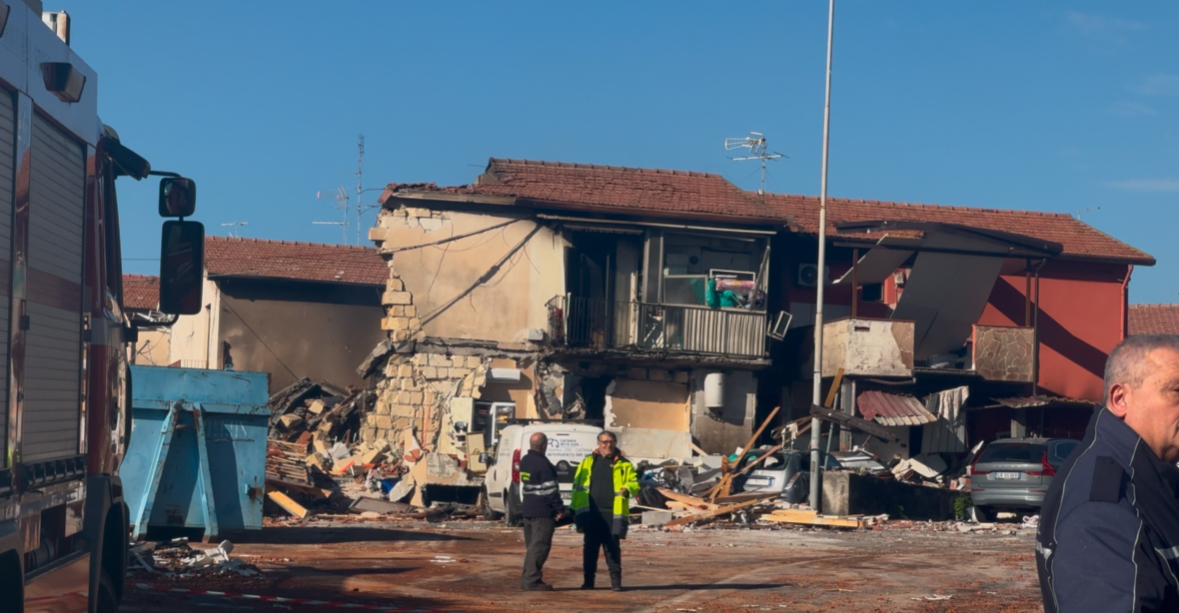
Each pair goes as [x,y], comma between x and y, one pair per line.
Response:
[1067,107]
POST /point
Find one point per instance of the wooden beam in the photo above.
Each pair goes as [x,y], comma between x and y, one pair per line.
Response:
[811,518]
[758,460]
[685,498]
[288,505]
[834,388]
[853,422]
[679,521]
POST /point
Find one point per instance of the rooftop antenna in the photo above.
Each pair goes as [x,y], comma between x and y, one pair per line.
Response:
[756,144]
[360,207]
[1086,210]
[342,203]
[234,224]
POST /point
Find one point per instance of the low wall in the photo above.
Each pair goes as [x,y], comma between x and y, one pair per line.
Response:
[846,493]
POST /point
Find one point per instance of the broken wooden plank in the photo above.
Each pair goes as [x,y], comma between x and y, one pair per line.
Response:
[718,512]
[288,505]
[310,490]
[691,501]
[811,518]
[763,456]
[834,388]
[853,422]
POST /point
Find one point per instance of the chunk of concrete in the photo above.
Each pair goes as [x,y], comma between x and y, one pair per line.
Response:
[657,518]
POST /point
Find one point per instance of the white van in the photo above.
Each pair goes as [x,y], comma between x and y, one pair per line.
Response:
[569,444]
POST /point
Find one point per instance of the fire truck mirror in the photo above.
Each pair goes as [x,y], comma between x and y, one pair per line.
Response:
[182,266]
[177,197]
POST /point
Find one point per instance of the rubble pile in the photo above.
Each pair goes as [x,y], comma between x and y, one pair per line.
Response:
[317,463]
[176,557]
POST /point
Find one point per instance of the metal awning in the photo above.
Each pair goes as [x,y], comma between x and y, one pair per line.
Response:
[893,409]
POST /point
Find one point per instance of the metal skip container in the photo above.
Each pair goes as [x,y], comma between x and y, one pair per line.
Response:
[197,454]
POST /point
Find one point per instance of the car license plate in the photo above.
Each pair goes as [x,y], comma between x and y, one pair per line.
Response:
[1007,475]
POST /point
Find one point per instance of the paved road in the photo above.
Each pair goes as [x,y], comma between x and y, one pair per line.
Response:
[475,566]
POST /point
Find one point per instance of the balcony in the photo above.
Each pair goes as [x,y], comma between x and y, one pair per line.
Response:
[868,347]
[637,326]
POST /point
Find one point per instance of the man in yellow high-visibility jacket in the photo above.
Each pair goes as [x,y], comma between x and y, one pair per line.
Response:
[602,488]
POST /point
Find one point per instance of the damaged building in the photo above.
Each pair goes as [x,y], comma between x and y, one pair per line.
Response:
[538,294]
[678,310]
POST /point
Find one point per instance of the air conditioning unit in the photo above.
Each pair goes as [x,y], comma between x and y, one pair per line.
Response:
[808,275]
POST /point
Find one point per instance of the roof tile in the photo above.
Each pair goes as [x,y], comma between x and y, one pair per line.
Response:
[250,257]
[141,292]
[1153,319]
[674,193]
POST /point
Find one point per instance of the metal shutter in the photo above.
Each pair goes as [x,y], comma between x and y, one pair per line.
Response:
[53,354]
[7,151]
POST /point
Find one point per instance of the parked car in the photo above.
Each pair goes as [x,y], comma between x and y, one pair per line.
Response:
[1014,473]
[778,474]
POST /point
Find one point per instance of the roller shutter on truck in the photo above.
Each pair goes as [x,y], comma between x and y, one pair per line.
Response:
[51,419]
[7,152]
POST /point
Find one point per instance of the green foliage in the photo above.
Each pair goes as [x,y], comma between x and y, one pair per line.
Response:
[962,506]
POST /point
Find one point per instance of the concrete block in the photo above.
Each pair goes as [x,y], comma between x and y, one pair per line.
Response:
[382,422]
[429,372]
[393,284]
[657,518]
[437,359]
[405,370]
[411,310]
[419,212]
[395,323]
[397,298]
[420,359]
[395,311]
[474,361]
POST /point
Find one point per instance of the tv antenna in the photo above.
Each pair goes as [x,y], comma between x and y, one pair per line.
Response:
[756,144]
[360,207]
[234,225]
[341,204]
[1086,210]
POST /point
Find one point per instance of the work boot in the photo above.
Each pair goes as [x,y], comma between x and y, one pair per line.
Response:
[538,587]
[588,584]
[616,582]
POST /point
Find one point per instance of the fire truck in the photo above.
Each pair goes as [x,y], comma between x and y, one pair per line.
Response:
[65,388]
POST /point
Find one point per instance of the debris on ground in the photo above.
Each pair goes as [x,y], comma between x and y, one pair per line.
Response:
[176,557]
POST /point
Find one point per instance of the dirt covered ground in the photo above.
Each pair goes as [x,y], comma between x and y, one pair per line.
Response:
[475,566]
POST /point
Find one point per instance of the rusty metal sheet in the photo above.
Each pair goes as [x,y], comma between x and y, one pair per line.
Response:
[893,409]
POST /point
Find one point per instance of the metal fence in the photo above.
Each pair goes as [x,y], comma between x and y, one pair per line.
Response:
[601,324]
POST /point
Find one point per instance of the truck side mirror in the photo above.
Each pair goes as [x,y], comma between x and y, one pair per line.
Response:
[177,197]
[182,266]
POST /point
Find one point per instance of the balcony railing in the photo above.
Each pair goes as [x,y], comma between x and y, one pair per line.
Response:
[601,324]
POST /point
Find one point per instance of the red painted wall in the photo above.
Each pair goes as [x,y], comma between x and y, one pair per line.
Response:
[1082,317]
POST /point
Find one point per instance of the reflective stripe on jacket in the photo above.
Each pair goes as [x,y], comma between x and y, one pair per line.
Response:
[624,478]
[538,487]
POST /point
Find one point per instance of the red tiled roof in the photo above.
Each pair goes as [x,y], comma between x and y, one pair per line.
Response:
[893,409]
[1079,239]
[1153,319]
[671,193]
[611,189]
[250,257]
[141,292]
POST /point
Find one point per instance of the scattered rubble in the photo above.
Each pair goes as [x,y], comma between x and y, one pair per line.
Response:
[176,557]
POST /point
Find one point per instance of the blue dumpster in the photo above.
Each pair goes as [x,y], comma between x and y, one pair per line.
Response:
[197,455]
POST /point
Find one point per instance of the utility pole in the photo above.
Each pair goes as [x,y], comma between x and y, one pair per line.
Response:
[817,383]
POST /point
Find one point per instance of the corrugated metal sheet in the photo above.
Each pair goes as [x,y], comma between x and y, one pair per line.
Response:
[1027,402]
[893,409]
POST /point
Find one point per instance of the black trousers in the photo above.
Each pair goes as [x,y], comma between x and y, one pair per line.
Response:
[598,536]
[538,538]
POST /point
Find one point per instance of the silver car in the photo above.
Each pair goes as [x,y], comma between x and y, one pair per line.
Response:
[1014,473]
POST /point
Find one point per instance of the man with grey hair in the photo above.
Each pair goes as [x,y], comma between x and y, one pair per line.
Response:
[1108,538]
[541,510]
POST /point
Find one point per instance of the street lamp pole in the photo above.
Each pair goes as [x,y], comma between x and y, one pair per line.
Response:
[817,381]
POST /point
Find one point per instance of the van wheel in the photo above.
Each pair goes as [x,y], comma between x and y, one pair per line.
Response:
[108,599]
[515,515]
[485,507]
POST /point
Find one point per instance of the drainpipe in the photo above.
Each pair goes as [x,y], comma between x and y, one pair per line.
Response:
[1036,334]
[1126,303]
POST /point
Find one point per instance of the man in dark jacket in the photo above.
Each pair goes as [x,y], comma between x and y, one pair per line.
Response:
[1108,538]
[542,508]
